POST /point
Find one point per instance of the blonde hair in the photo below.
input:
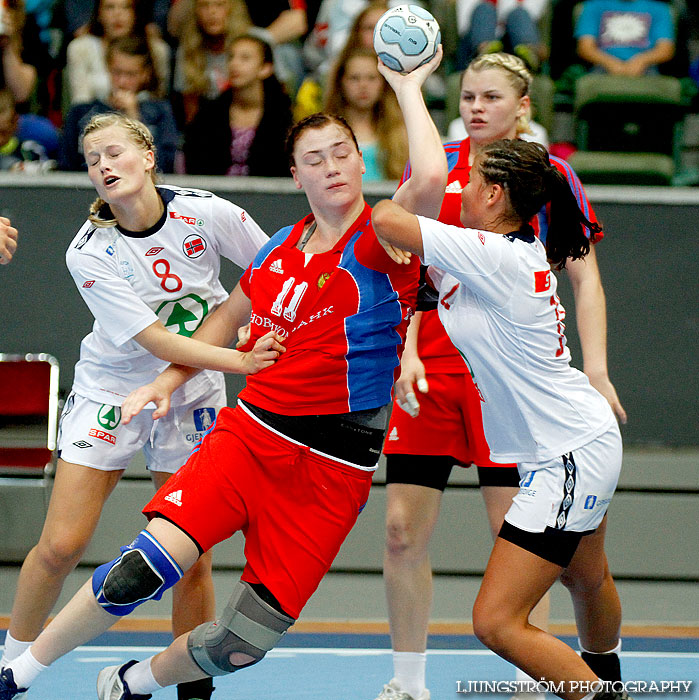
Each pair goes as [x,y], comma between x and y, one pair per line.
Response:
[139,134]
[517,74]
[387,119]
[192,41]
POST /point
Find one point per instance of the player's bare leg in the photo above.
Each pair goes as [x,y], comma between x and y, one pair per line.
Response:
[596,603]
[78,495]
[497,501]
[83,618]
[514,582]
[411,516]
[193,602]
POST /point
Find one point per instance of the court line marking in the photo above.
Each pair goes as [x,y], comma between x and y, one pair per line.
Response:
[340,651]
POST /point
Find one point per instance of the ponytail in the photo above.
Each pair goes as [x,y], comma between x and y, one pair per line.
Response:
[524,171]
[565,237]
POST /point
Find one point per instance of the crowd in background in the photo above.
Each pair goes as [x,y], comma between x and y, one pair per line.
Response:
[219,82]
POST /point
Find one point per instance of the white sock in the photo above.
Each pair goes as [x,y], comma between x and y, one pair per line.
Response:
[13,648]
[616,650]
[522,677]
[25,668]
[409,671]
[140,678]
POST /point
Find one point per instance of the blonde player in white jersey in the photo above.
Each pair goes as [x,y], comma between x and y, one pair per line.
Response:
[499,306]
[147,264]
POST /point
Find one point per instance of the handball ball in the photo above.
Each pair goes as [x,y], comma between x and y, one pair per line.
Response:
[406,37]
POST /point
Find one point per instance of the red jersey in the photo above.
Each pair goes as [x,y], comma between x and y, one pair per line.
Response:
[343,314]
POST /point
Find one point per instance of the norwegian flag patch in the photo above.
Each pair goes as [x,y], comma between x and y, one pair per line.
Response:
[194,246]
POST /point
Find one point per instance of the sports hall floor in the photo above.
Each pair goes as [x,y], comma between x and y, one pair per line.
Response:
[341,650]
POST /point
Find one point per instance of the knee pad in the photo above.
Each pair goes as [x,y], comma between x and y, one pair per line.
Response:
[143,571]
[248,626]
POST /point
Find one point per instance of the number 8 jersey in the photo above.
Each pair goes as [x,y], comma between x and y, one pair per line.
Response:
[169,273]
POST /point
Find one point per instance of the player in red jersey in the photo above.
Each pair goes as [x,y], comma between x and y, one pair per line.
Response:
[291,464]
[441,398]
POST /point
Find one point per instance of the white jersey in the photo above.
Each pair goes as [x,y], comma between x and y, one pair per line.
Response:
[170,272]
[498,304]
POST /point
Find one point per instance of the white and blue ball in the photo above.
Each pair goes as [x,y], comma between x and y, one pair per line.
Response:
[406,37]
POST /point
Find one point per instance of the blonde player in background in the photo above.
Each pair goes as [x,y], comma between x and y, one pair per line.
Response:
[146,263]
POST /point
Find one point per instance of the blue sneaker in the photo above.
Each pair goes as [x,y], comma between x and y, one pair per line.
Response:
[8,687]
[111,684]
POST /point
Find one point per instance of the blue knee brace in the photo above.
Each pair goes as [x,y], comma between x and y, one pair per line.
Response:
[143,571]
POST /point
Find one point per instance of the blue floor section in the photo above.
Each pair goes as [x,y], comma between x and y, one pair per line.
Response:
[354,667]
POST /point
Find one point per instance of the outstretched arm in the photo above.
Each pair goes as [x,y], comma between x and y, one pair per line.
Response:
[207,348]
[396,228]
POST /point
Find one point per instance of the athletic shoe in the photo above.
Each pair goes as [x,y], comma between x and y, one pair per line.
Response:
[392,691]
[112,686]
[8,687]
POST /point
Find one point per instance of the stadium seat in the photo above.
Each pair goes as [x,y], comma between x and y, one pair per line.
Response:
[626,118]
[609,168]
[618,113]
[28,414]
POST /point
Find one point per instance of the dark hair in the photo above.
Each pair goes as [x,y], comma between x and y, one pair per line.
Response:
[141,18]
[136,46]
[267,54]
[314,121]
[525,172]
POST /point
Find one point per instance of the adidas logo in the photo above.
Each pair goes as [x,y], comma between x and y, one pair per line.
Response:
[175,497]
[276,266]
[454,187]
[393,435]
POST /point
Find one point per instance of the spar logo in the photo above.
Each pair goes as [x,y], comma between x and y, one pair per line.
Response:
[191,220]
[193,246]
[103,435]
[184,315]
[109,417]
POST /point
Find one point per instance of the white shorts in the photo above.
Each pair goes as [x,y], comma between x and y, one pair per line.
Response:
[572,492]
[93,435]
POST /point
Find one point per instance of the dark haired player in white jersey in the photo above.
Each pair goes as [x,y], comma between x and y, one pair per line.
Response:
[8,240]
[439,397]
[291,464]
[146,263]
[498,304]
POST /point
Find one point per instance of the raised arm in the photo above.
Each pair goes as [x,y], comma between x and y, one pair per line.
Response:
[424,191]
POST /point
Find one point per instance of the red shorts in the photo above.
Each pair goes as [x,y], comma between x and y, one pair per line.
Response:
[449,423]
[295,507]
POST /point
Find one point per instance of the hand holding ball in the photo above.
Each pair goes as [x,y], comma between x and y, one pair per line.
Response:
[406,37]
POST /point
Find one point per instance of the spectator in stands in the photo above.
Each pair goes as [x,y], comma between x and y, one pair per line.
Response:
[243,130]
[490,26]
[282,24]
[625,37]
[135,91]
[88,76]
[18,75]
[359,93]
[340,24]
[28,142]
[206,29]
